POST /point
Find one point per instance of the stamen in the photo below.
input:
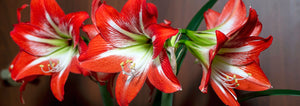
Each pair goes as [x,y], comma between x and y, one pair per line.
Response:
[131,67]
[51,67]
[228,80]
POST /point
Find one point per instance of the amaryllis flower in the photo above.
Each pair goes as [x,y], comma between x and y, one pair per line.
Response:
[50,45]
[233,62]
[232,17]
[132,43]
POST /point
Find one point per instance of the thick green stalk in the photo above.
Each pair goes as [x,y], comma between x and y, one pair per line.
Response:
[106,97]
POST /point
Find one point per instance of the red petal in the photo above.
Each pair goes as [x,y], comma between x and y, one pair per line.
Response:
[232,16]
[159,35]
[109,64]
[160,74]
[112,25]
[221,39]
[32,39]
[91,30]
[247,29]
[19,12]
[211,18]
[249,77]
[75,67]
[71,23]
[137,10]
[227,95]
[82,47]
[127,87]
[58,81]
[257,81]
[96,46]
[26,65]
[257,29]
[39,9]
[95,5]
[244,51]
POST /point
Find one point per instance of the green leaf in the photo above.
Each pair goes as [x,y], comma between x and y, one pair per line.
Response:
[268,93]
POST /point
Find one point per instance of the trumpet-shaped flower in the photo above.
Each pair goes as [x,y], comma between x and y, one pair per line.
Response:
[131,42]
[50,45]
[229,51]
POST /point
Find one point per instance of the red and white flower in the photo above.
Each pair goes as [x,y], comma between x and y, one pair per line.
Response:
[132,43]
[229,50]
[49,45]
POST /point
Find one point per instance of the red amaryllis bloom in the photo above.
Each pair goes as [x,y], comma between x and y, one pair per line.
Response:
[233,62]
[50,45]
[232,17]
[131,42]
[236,64]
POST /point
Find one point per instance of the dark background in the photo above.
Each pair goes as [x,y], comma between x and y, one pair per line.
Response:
[280,18]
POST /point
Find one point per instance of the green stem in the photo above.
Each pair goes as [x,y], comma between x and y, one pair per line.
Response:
[106,97]
[269,93]
[167,99]
[157,99]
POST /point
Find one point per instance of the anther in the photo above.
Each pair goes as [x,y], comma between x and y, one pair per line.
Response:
[132,66]
[41,66]
[129,61]
[122,64]
[227,77]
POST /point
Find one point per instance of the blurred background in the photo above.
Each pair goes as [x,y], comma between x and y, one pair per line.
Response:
[280,18]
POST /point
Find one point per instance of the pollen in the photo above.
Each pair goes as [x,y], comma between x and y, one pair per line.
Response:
[41,66]
[122,64]
[129,61]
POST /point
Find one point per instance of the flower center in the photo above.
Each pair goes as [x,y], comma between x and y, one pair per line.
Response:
[232,81]
[130,69]
[51,67]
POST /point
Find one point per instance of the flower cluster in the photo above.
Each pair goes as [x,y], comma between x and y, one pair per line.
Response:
[132,45]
